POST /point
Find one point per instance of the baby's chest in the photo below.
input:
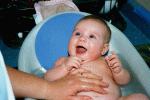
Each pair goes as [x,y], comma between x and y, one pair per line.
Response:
[97,68]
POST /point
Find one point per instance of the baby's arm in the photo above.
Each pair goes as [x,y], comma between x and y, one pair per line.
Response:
[62,67]
[121,76]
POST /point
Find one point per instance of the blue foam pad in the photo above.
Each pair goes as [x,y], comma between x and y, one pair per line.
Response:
[143,13]
[53,37]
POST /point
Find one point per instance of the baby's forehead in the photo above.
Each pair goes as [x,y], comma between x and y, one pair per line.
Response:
[92,21]
[100,22]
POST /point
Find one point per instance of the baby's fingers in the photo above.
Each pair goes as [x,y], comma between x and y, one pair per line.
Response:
[76,64]
[107,60]
[113,57]
[113,53]
[113,62]
[79,59]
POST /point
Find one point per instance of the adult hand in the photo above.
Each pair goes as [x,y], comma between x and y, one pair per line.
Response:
[67,88]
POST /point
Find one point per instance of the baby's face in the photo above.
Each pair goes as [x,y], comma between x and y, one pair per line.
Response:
[87,40]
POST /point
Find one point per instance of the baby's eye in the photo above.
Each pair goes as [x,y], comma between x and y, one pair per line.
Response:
[91,36]
[78,34]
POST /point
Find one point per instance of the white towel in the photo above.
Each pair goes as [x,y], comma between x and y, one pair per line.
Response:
[46,9]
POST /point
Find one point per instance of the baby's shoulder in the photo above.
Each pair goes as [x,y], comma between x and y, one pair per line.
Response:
[60,60]
[63,58]
[102,61]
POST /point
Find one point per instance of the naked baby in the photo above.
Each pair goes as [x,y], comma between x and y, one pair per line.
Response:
[87,45]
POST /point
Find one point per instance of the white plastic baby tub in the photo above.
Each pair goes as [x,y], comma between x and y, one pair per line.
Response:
[39,49]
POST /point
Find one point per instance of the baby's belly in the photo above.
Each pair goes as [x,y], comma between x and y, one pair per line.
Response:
[113,91]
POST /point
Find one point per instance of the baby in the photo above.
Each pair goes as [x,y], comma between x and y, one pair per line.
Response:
[87,45]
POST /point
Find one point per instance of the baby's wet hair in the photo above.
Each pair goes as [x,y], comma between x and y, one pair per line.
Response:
[94,17]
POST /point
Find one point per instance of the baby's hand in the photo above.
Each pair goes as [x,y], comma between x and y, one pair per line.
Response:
[73,62]
[114,62]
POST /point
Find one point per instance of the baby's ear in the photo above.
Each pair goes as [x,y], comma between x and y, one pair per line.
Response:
[105,48]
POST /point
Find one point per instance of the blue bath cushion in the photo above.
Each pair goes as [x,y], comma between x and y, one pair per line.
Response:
[53,37]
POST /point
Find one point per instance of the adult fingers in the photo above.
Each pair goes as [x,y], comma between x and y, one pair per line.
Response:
[90,87]
[72,85]
[95,81]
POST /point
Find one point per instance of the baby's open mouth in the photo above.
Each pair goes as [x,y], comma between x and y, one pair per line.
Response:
[81,49]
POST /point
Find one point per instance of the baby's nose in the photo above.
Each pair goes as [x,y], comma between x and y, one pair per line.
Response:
[83,39]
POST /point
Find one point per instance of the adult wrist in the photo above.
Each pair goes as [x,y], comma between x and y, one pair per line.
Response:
[47,90]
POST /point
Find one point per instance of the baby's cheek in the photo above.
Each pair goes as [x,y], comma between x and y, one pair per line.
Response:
[94,56]
[71,51]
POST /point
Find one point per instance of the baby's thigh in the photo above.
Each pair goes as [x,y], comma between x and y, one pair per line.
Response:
[135,96]
[107,97]
[97,96]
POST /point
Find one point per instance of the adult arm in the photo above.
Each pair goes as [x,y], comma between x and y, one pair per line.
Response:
[27,85]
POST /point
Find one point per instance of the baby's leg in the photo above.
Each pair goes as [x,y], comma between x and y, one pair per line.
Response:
[135,96]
